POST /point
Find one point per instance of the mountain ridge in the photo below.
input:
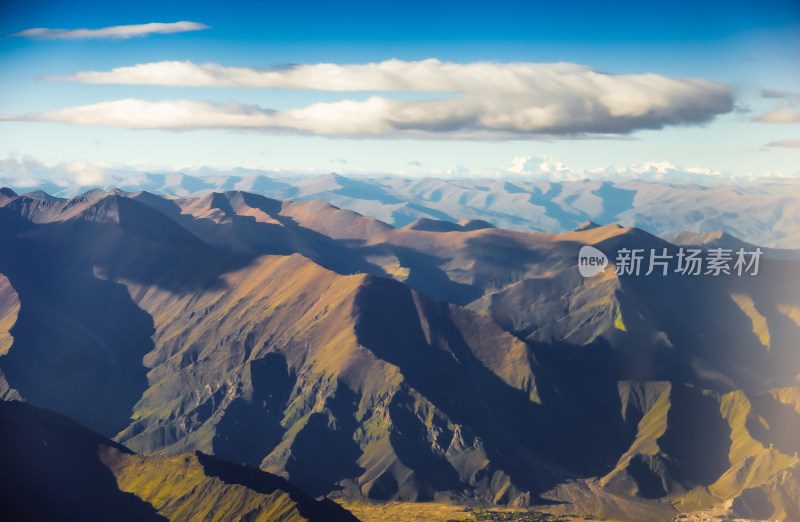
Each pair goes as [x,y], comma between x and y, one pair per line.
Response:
[759,213]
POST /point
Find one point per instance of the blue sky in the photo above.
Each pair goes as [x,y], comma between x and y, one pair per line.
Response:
[709,86]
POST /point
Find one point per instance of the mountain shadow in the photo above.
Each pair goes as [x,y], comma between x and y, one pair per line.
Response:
[51,471]
[324,452]
[251,426]
[79,341]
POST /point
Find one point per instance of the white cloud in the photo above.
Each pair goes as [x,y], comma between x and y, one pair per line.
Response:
[547,168]
[781,115]
[27,171]
[620,93]
[142,114]
[493,101]
[116,32]
[541,84]
[542,167]
[86,174]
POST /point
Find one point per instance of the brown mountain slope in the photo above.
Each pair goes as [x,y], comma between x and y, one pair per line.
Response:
[312,360]
[529,285]
[485,269]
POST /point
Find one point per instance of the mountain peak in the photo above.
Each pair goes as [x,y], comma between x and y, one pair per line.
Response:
[437,225]
[474,224]
[90,195]
[433,225]
[41,195]
[586,225]
[6,195]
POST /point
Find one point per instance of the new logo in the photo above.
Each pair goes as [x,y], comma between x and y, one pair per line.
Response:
[591,261]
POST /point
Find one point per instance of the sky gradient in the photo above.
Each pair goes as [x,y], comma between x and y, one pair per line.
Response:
[412,88]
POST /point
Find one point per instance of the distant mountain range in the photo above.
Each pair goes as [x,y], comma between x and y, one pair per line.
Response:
[458,362]
[765,214]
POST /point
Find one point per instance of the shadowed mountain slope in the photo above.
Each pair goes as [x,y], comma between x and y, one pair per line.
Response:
[55,469]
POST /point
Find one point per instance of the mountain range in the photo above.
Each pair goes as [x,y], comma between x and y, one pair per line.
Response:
[440,360]
[762,213]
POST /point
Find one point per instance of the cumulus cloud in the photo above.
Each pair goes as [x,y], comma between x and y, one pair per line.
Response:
[780,115]
[115,32]
[492,101]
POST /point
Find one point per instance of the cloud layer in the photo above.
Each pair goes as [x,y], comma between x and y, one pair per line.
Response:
[26,171]
[492,100]
[545,167]
[115,32]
